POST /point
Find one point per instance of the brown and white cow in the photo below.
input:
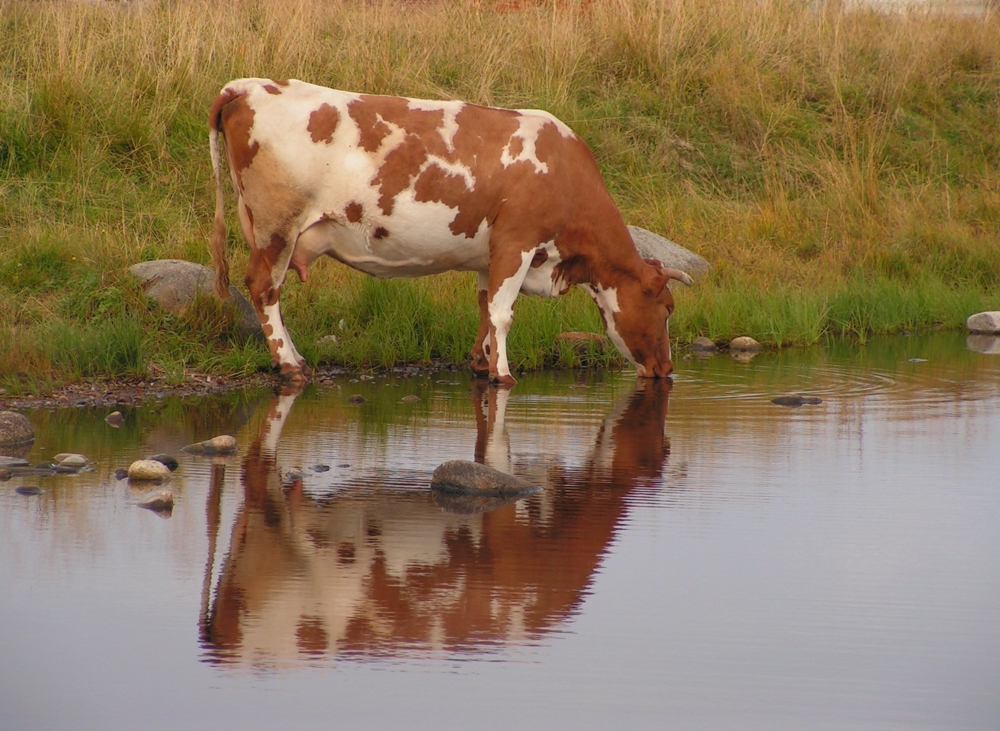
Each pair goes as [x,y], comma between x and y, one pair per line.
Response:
[400,187]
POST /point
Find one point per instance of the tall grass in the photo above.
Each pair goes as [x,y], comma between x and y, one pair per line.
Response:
[840,171]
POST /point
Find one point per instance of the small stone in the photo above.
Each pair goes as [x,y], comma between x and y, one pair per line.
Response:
[918,360]
[5,474]
[166,460]
[115,419]
[15,428]
[28,490]
[159,501]
[13,462]
[121,473]
[224,444]
[356,398]
[795,400]
[321,468]
[411,399]
[70,460]
[148,469]
[704,345]
[67,469]
[984,322]
[744,343]
[472,478]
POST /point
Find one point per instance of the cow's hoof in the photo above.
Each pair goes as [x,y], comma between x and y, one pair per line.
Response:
[480,366]
[294,376]
[503,381]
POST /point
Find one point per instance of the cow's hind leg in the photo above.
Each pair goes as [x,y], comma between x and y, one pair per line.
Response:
[265,275]
[481,350]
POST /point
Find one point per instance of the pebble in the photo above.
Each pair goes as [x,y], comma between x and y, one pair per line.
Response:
[166,460]
[410,399]
[744,343]
[121,473]
[918,360]
[28,490]
[795,400]
[704,345]
[224,444]
[321,468]
[148,469]
[115,419]
[13,462]
[70,460]
[356,398]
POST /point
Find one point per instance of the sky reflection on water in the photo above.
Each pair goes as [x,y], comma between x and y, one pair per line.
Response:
[699,557]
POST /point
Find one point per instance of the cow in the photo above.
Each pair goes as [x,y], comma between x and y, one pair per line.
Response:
[399,187]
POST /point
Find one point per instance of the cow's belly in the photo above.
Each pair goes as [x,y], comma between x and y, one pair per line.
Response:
[414,248]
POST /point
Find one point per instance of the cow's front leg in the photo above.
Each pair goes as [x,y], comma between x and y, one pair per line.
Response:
[264,294]
[481,350]
[505,279]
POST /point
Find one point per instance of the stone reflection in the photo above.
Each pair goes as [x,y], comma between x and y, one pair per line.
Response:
[389,574]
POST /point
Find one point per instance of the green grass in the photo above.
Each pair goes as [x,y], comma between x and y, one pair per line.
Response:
[841,172]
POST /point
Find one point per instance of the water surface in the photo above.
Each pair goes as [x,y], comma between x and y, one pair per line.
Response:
[698,558]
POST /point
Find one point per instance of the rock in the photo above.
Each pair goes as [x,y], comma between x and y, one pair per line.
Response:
[704,345]
[70,459]
[148,469]
[115,419]
[654,246]
[356,398]
[15,428]
[320,468]
[174,284]
[918,360]
[28,490]
[13,462]
[159,501]
[411,399]
[166,460]
[223,444]
[795,400]
[121,474]
[988,344]
[472,478]
[745,343]
[984,322]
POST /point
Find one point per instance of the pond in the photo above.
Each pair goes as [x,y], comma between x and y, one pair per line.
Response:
[699,557]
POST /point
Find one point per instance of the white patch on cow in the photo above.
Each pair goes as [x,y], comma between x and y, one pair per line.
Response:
[452,168]
[529,124]
[449,125]
[607,301]
[539,280]
[563,128]
[501,309]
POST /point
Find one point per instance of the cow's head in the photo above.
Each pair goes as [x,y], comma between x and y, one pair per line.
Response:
[636,315]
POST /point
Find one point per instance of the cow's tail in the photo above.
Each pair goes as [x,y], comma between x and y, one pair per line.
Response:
[217,246]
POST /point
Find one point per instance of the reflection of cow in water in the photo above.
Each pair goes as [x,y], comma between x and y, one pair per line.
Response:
[392,573]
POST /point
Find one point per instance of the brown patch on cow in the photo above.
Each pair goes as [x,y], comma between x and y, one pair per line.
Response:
[268,330]
[516,147]
[237,123]
[540,257]
[323,123]
[373,130]
[354,211]
[281,82]
[272,89]
[380,233]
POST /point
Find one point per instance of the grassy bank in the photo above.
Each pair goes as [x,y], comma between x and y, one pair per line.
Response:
[841,172]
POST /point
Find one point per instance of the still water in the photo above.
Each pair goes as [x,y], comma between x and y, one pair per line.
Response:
[699,558]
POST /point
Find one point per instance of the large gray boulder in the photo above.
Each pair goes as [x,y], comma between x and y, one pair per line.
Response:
[984,322]
[174,284]
[15,429]
[654,246]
